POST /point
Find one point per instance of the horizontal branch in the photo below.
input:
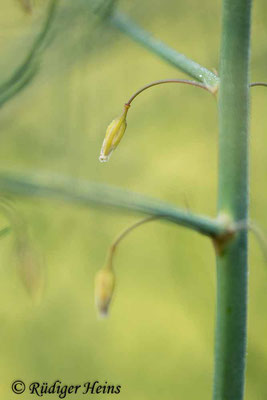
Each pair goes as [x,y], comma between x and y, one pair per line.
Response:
[180,61]
[40,185]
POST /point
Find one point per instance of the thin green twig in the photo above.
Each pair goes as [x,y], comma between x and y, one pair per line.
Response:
[254,84]
[180,61]
[163,81]
[123,234]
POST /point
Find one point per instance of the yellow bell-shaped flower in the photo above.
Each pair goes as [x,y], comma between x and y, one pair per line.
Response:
[114,134]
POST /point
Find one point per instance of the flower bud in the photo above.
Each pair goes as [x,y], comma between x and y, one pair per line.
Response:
[104,287]
[114,134]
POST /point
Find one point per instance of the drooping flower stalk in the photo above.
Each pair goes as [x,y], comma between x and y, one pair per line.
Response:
[105,278]
[117,127]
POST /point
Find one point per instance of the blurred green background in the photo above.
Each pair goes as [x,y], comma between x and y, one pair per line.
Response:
[158,341]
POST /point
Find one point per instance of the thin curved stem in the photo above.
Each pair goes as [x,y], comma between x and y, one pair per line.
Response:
[258,84]
[162,81]
[123,234]
[116,129]
[212,90]
[186,82]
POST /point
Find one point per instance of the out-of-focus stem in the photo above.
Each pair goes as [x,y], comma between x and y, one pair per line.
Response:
[28,68]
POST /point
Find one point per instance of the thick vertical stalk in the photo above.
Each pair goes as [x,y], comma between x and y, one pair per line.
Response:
[230,342]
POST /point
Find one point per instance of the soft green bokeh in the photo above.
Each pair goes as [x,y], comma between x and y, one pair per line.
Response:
[158,341]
